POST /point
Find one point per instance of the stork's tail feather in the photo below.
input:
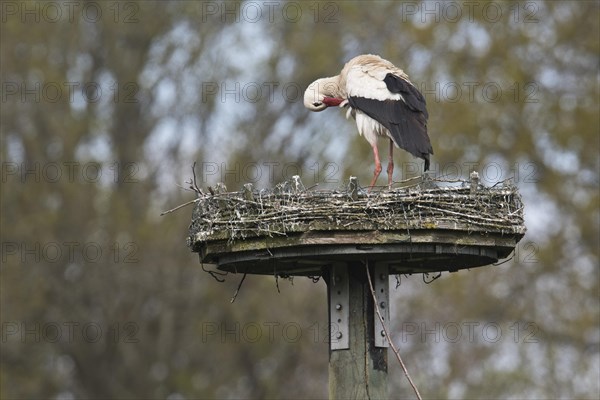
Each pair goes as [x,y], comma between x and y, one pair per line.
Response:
[408,129]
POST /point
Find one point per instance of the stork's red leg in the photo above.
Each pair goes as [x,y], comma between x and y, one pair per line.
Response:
[377,166]
[390,167]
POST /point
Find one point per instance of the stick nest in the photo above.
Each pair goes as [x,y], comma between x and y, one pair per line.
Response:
[289,208]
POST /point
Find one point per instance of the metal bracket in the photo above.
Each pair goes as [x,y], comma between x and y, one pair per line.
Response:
[339,307]
[382,294]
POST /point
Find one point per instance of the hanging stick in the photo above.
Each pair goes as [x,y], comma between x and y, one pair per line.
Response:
[387,335]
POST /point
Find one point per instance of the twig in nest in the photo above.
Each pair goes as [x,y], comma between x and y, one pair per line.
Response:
[505,261]
[426,277]
[194,184]
[387,335]
[277,282]
[406,180]
[238,288]
[178,207]
[214,274]
[187,189]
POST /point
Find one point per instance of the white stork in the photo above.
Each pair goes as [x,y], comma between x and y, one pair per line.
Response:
[382,101]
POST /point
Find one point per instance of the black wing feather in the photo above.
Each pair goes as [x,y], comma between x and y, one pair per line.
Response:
[414,99]
[406,122]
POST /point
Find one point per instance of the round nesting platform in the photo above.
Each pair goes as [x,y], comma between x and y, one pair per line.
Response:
[290,231]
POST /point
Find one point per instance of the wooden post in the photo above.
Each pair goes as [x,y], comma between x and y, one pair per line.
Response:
[359,372]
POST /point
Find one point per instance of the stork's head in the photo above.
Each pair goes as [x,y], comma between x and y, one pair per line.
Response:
[323,93]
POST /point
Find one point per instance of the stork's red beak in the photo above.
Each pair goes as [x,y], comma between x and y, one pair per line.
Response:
[332,101]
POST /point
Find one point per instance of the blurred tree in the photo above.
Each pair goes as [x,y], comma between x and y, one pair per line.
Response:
[105,106]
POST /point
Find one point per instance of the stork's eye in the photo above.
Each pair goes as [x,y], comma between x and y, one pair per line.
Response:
[316,104]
